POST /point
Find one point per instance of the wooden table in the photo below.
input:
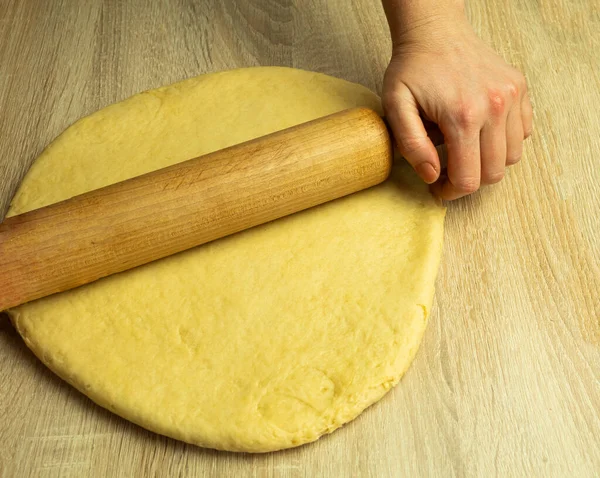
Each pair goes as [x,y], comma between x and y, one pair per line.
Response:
[507,378]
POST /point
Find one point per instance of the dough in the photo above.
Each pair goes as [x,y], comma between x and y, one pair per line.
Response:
[261,341]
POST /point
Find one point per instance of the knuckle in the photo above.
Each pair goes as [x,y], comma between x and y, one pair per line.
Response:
[497,103]
[410,144]
[521,81]
[493,177]
[513,88]
[467,185]
[513,159]
[514,153]
[468,115]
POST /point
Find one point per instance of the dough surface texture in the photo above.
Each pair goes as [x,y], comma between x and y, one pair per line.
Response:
[261,341]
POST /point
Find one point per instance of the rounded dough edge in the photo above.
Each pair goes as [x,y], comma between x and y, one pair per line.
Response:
[48,351]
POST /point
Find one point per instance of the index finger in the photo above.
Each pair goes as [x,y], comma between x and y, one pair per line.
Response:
[464,164]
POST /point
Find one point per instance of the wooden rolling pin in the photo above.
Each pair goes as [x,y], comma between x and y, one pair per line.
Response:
[118,227]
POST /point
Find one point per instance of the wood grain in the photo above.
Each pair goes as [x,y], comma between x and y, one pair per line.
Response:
[507,381]
[131,223]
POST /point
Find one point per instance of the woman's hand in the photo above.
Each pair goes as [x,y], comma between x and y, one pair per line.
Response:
[441,72]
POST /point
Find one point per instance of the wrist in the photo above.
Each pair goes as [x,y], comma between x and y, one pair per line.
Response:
[407,18]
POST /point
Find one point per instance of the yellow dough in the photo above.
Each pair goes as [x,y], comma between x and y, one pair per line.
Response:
[261,341]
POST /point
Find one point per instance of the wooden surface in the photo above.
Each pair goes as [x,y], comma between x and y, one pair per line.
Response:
[507,381]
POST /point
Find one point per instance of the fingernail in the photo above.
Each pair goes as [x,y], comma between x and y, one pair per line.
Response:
[427,172]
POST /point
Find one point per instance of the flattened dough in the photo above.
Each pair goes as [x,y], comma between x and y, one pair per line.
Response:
[261,341]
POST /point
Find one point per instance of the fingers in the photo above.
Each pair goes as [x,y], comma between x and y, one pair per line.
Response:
[514,135]
[482,143]
[483,129]
[493,150]
[464,166]
[526,116]
[402,112]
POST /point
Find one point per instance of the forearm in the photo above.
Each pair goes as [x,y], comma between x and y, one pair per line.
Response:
[405,15]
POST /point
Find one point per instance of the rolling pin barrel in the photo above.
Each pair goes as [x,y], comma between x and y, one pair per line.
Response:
[118,227]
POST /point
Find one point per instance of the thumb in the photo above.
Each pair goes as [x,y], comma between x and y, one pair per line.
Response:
[402,113]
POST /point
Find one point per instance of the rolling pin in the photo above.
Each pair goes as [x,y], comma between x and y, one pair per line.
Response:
[127,224]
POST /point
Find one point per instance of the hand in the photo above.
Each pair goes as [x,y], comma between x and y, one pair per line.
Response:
[442,72]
